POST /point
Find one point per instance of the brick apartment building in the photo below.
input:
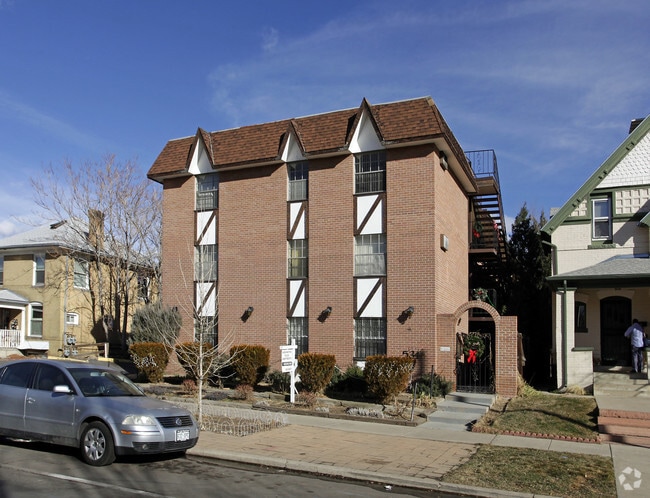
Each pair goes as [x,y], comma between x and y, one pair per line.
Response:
[350,232]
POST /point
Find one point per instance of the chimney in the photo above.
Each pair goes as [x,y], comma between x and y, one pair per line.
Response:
[96,229]
[635,122]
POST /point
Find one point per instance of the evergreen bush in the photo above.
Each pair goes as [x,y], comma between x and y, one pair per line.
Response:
[350,381]
[387,376]
[315,371]
[188,354]
[250,363]
[150,358]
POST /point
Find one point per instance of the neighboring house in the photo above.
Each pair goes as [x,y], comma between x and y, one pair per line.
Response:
[601,271]
[48,291]
[351,233]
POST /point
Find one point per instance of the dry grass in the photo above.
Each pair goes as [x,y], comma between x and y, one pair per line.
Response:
[537,472]
[552,415]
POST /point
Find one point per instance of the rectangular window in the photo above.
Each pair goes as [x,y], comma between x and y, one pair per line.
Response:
[369,337]
[298,258]
[602,218]
[205,263]
[72,319]
[80,274]
[581,317]
[36,329]
[370,254]
[370,172]
[39,269]
[298,180]
[207,192]
[206,330]
[143,288]
[298,330]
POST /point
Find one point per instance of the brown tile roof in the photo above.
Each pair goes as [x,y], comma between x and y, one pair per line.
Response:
[396,123]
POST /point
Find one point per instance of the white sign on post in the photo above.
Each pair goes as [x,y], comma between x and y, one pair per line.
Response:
[289,365]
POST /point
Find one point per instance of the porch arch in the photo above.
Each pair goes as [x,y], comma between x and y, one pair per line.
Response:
[505,345]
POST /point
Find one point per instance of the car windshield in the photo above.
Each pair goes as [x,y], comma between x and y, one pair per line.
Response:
[102,382]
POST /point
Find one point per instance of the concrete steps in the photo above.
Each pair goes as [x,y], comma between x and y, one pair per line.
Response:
[620,382]
[623,406]
[458,410]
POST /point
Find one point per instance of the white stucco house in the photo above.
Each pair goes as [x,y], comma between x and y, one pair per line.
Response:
[601,267]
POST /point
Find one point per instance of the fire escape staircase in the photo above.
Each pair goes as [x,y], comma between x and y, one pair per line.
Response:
[487,233]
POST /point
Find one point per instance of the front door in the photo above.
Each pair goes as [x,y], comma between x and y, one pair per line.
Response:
[615,318]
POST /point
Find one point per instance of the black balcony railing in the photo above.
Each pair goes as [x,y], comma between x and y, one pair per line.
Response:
[483,163]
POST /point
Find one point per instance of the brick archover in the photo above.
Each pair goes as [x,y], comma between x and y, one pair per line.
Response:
[505,346]
[478,304]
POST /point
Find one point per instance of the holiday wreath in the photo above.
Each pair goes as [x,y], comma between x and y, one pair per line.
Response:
[473,346]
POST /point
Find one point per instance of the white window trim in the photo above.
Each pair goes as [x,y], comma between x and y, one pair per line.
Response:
[607,218]
[36,270]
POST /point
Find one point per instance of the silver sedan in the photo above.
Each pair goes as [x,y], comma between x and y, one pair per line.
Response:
[92,406]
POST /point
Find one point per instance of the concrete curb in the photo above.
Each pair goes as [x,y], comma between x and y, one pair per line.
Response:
[352,474]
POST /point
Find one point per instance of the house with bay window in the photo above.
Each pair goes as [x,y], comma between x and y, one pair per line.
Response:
[349,233]
[600,240]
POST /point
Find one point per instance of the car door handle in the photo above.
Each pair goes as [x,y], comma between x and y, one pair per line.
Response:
[31,400]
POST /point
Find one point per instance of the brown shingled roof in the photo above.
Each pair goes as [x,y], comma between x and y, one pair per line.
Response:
[396,122]
[174,158]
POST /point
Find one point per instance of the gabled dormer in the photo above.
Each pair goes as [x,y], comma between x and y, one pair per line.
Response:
[366,136]
[292,149]
[201,162]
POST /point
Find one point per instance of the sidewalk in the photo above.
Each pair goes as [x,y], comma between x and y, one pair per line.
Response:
[415,457]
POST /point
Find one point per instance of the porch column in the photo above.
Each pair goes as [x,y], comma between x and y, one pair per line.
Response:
[564,332]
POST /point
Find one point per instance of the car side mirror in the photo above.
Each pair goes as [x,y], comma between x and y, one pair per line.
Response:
[63,389]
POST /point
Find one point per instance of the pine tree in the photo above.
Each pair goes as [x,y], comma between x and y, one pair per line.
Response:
[528,294]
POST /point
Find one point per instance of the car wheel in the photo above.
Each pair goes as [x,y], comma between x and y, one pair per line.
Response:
[97,446]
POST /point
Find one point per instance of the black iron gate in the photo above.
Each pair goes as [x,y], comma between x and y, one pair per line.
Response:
[475,362]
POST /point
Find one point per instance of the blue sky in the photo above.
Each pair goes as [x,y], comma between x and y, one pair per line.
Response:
[551,86]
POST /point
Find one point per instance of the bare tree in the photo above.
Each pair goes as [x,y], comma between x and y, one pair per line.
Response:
[210,353]
[114,214]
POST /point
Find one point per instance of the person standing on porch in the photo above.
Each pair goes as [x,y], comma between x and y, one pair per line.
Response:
[636,335]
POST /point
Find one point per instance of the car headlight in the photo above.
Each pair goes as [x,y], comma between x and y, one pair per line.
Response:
[139,420]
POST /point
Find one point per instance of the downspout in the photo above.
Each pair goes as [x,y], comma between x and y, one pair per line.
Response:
[65,305]
[565,339]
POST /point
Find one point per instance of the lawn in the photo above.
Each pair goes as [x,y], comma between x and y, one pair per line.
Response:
[536,471]
[544,414]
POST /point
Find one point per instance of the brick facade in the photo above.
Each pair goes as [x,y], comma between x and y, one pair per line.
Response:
[422,202]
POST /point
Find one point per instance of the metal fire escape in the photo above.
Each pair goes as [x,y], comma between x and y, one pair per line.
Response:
[487,252]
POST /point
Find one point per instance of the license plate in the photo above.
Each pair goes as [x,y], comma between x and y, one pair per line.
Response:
[182,435]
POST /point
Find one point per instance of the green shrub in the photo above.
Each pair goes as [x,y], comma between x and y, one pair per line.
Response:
[155,323]
[387,376]
[316,371]
[350,381]
[150,358]
[280,382]
[188,354]
[436,386]
[250,363]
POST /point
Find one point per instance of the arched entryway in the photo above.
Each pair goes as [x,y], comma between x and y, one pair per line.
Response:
[475,360]
[503,348]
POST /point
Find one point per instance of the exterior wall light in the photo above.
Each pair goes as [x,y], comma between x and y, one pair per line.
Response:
[324,314]
[443,161]
[406,314]
[247,313]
